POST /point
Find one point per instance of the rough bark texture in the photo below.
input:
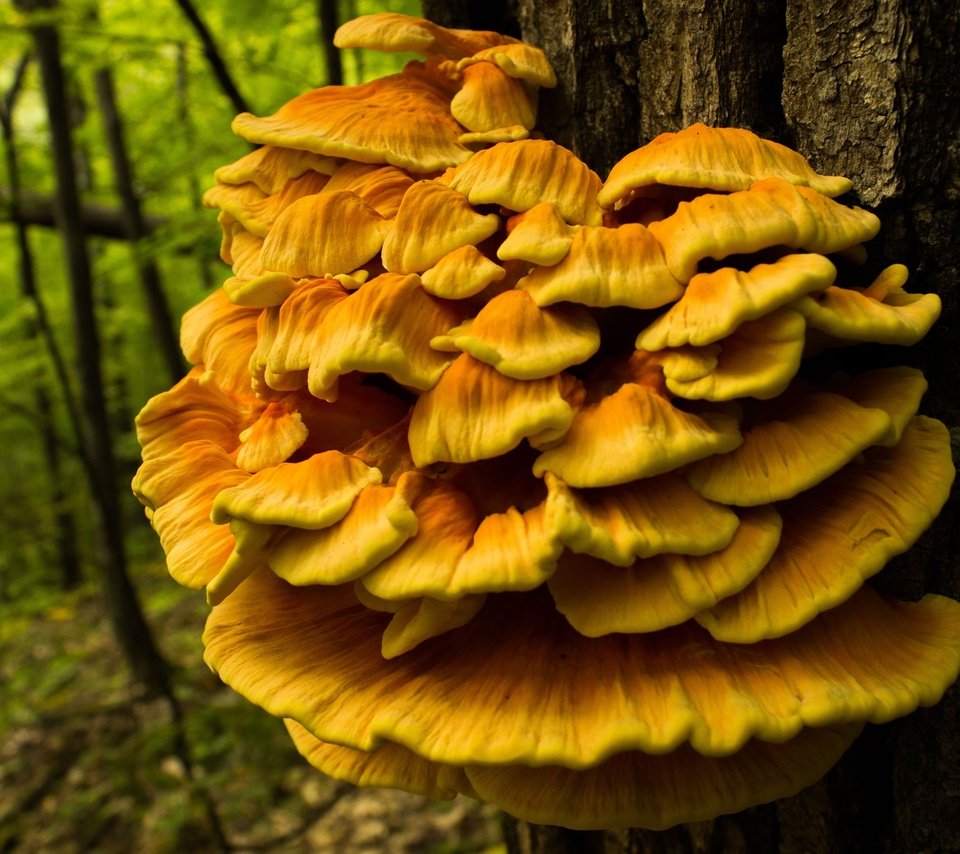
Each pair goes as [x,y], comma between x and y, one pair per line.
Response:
[863,88]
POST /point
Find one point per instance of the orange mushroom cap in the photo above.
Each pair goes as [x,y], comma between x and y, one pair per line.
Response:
[458,412]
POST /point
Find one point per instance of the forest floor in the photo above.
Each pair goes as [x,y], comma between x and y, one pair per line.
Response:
[86,765]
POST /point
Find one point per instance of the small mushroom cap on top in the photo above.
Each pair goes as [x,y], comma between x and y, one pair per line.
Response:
[403,119]
[717,159]
[392,32]
[519,60]
[520,175]
[840,533]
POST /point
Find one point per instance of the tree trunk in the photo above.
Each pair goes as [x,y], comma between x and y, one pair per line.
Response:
[328,21]
[193,181]
[127,619]
[161,318]
[38,330]
[865,89]
[214,57]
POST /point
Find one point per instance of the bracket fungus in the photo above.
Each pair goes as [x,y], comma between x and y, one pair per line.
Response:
[499,486]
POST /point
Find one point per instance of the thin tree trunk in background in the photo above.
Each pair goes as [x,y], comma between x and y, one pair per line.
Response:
[116,387]
[161,318]
[131,629]
[65,530]
[189,136]
[328,20]
[214,57]
[865,89]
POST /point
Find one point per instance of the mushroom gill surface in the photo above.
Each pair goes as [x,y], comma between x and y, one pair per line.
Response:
[509,482]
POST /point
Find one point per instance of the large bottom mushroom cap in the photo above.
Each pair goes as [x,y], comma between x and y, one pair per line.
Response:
[628,790]
[517,685]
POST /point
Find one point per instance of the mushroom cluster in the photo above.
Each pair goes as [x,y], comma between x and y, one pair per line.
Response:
[506,481]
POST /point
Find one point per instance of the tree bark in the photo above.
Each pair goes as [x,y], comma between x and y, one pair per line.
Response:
[129,625]
[865,89]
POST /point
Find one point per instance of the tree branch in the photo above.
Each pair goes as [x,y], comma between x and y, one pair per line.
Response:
[214,57]
[98,220]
